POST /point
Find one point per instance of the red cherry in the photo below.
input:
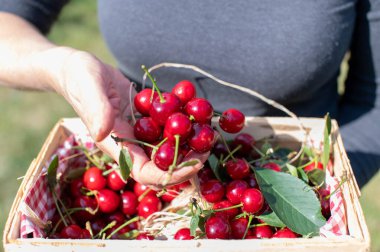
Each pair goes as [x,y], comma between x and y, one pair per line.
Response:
[75,187]
[212,191]
[202,138]
[147,130]
[148,205]
[86,234]
[115,182]
[220,149]
[217,228]
[228,214]
[238,169]
[185,91]
[165,155]
[71,232]
[177,124]
[93,179]
[252,182]
[285,233]
[160,111]
[205,174]
[312,166]
[260,232]
[235,189]
[252,200]
[183,234]
[144,236]
[238,227]
[143,102]
[200,109]
[273,166]
[246,141]
[140,189]
[129,203]
[170,195]
[85,202]
[232,121]
[108,200]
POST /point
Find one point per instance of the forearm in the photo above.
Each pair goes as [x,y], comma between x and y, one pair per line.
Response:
[27,58]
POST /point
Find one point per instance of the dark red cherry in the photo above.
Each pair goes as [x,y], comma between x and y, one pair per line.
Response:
[273,166]
[85,202]
[252,182]
[129,203]
[205,174]
[148,205]
[235,189]
[212,191]
[252,200]
[238,227]
[140,189]
[185,91]
[232,121]
[220,149]
[115,182]
[246,141]
[260,232]
[312,166]
[228,214]
[177,124]
[75,187]
[108,200]
[160,111]
[285,233]
[143,101]
[200,109]
[147,130]
[183,234]
[93,179]
[238,169]
[201,138]
[217,228]
[165,155]
[97,225]
[118,216]
[71,232]
[144,236]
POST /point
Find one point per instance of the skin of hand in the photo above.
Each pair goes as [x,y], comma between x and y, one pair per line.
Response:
[99,93]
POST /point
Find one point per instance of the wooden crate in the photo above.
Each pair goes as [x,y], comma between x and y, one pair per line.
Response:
[283,131]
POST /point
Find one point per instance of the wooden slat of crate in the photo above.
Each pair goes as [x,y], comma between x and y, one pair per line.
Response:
[281,130]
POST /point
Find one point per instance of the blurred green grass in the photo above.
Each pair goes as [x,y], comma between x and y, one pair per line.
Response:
[27,117]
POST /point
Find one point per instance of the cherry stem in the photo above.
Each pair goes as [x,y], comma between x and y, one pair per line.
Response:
[143,194]
[308,163]
[228,208]
[250,218]
[106,172]
[118,140]
[258,225]
[122,226]
[88,227]
[225,144]
[344,180]
[162,100]
[58,208]
[158,146]
[173,165]
[230,155]
[217,114]
[259,151]
[110,225]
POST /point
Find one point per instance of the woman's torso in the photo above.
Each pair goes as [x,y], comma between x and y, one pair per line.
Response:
[289,51]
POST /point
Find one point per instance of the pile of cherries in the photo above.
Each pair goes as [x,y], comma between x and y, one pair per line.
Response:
[176,122]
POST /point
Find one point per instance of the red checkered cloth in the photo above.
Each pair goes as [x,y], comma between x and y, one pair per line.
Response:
[38,206]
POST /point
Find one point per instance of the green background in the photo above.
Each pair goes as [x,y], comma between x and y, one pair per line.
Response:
[27,117]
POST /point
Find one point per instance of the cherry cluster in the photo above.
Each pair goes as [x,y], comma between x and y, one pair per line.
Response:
[174,123]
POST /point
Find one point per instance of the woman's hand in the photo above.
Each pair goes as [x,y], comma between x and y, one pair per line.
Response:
[101,96]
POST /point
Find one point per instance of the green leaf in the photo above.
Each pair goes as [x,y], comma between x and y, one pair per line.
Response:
[106,159]
[326,141]
[201,223]
[215,167]
[309,152]
[75,173]
[52,172]
[194,222]
[125,163]
[282,153]
[271,219]
[293,201]
[302,174]
[188,163]
[292,169]
[317,176]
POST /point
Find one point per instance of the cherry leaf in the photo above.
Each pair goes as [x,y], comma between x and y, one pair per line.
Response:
[125,163]
[317,176]
[271,219]
[194,223]
[293,201]
[188,163]
[52,172]
[326,141]
[215,167]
